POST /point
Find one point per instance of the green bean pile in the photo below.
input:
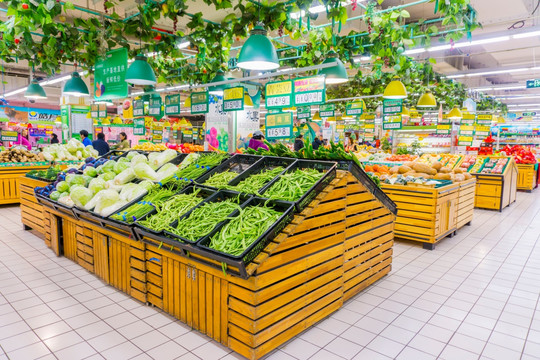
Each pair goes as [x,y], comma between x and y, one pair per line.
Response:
[253,183]
[220,180]
[239,233]
[171,210]
[292,186]
[204,219]
[212,159]
[155,197]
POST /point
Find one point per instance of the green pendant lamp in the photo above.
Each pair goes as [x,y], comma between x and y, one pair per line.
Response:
[218,89]
[455,114]
[75,86]
[427,100]
[258,52]
[140,72]
[336,74]
[395,90]
[34,91]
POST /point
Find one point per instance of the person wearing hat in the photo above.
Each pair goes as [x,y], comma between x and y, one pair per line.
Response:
[299,142]
[256,141]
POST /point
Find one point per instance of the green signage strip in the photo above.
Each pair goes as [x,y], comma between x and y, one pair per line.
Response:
[279,125]
[139,127]
[531,84]
[354,108]
[155,108]
[138,107]
[303,112]
[199,102]
[9,135]
[172,104]
[392,122]
[309,91]
[233,99]
[278,94]
[110,75]
[327,110]
[527,114]
[392,106]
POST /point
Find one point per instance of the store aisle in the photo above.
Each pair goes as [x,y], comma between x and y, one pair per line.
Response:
[475,296]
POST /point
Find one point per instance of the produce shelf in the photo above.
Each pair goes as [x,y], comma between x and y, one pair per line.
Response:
[32,214]
[10,176]
[237,163]
[496,191]
[527,176]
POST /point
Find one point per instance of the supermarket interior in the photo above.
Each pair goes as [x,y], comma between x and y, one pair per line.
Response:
[282,180]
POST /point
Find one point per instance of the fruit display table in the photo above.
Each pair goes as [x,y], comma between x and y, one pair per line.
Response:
[497,191]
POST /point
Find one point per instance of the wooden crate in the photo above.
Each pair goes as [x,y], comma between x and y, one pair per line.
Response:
[32,214]
[9,182]
[495,192]
[526,179]
[465,206]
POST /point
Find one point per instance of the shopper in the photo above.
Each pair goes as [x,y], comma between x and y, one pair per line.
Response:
[317,142]
[101,145]
[84,138]
[22,139]
[256,141]
[124,142]
[54,139]
[299,142]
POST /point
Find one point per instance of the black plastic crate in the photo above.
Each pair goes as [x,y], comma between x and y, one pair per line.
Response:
[46,201]
[238,164]
[35,177]
[265,164]
[114,154]
[241,261]
[328,167]
[216,197]
[142,231]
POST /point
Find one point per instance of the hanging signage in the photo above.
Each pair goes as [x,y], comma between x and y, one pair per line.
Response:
[157,133]
[414,115]
[138,107]
[154,108]
[309,91]
[444,129]
[199,102]
[110,75]
[303,112]
[172,104]
[369,128]
[444,120]
[392,106]
[139,127]
[528,114]
[484,119]
[233,99]
[466,130]
[9,135]
[278,94]
[98,111]
[465,141]
[468,119]
[531,84]
[482,131]
[354,108]
[279,125]
[35,132]
[392,122]
[327,110]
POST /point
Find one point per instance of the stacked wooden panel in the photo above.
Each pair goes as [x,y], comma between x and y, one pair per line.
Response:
[495,192]
[465,207]
[526,179]
[32,215]
[9,182]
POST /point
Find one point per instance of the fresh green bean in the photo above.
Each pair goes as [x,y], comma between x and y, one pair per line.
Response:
[292,186]
[253,183]
[220,180]
[155,197]
[212,159]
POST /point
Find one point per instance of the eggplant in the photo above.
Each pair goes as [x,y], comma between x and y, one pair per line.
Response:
[72,171]
[89,160]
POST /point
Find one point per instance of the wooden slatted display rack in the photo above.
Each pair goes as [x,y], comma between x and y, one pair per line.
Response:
[495,192]
[10,177]
[337,246]
[32,215]
[526,179]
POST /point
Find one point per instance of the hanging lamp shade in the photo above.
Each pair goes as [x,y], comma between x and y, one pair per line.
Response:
[35,91]
[187,103]
[405,112]
[258,52]
[89,115]
[218,89]
[140,72]
[58,120]
[395,90]
[76,86]
[167,124]
[317,116]
[427,100]
[290,109]
[455,114]
[106,121]
[336,74]
[248,102]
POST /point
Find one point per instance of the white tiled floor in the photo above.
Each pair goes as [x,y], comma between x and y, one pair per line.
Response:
[475,296]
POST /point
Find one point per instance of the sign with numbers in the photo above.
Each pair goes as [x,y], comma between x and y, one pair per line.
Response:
[444,129]
[139,127]
[172,104]
[154,108]
[354,108]
[392,106]
[327,110]
[369,128]
[110,75]
[531,84]
[157,133]
[98,111]
[309,91]
[138,107]
[484,119]
[9,135]
[392,122]
[279,94]
[233,99]
[466,130]
[468,119]
[303,112]
[482,131]
[444,120]
[465,140]
[279,125]
[199,102]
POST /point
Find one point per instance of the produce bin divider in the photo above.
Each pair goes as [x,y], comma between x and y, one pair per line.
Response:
[266,163]
[229,164]
[330,169]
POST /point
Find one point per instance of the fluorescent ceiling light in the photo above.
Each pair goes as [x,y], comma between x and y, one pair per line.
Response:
[183,45]
[361,58]
[413,51]
[319,9]
[137,93]
[526,35]
[440,47]
[482,41]
[15,92]
[494,72]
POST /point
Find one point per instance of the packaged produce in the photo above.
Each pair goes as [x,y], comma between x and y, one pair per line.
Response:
[522,154]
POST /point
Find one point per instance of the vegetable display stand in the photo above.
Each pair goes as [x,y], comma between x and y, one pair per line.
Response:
[427,214]
[527,176]
[32,215]
[497,191]
[337,246]
[10,177]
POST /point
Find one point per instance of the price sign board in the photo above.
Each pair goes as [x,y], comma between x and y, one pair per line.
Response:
[98,111]
[468,119]
[138,127]
[154,108]
[303,112]
[444,129]
[172,104]
[138,107]
[528,114]
[392,122]
[199,102]
[327,110]
[445,120]
[233,99]
[9,135]
[354,108]
[110,75]
[279,125]
[484,119]
[392,106]
[466,130]
[309,91]
[279,94]
[465,141]
[157,134]
[370,119]
[482,131]
[415,115]
[369,128]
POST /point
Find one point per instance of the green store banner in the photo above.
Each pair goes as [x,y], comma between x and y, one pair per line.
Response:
[155,108]
[233,99]
[279,94]
[303,112]
[279,125]
[309,91]
[392,106]
[468,119]
[484,119]
[392,122]
[327,110]
[138,107]
[199,102]
[172,104]
[139,127]
[444,129]
[354,108]
[110,75]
